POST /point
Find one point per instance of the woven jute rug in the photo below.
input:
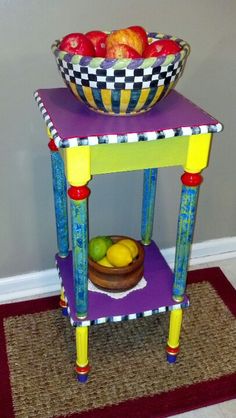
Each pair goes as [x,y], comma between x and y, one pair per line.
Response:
[130,377]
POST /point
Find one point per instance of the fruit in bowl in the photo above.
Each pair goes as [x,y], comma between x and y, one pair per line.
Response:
[162,47]
[98,39]
[121,268]
[121,51]
[98,247]
[141,32]
[120,253]
[77,43]
[127,37]
[125,72]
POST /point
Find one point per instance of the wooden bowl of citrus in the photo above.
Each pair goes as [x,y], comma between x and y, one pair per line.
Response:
[116,263]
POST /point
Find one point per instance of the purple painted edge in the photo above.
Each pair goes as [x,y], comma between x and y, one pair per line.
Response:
[72,119]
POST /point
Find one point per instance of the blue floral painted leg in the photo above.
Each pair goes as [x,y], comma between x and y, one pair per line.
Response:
[60,200]
[78,196]
[148,205]
[186,222]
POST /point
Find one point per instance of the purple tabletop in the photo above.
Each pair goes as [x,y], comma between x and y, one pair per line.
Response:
[68,119]
[156,296]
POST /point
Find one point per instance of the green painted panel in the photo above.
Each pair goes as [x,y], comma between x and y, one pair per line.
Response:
[115,158]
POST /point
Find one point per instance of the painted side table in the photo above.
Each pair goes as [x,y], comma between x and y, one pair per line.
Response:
[84,143]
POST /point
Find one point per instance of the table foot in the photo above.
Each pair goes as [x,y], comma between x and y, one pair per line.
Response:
[171,354]
[82,378]
[64,311]
[82,373]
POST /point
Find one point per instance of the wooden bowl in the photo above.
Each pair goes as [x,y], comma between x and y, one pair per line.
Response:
[117,279]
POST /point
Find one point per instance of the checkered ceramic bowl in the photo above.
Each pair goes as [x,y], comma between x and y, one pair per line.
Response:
[122,86]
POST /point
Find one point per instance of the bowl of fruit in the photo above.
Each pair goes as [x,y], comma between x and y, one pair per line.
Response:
[123,72]
[116,263]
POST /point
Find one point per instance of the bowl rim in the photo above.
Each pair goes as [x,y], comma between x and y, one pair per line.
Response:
[119,63]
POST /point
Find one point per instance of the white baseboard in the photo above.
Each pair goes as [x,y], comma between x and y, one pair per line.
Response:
[46,282]
[206,251]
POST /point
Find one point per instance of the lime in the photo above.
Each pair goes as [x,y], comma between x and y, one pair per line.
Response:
[131,244]
[108,241]
[104,262]
[97,248]
[119,255]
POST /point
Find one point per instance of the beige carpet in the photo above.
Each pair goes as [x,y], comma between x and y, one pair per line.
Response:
[128,359]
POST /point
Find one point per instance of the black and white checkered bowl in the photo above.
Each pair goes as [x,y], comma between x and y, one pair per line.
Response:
[122,86]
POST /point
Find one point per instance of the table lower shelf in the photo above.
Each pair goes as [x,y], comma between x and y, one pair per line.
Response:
[155,297]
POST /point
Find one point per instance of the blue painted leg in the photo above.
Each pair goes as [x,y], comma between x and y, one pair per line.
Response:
[60,200]
[148,205]
[186,222]
[79,197]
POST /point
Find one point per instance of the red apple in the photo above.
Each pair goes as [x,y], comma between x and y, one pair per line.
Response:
[98,39]
[77,43]
[161,47]
[125,37]
[142,33]
[122,51]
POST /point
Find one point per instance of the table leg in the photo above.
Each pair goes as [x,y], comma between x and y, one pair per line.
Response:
[172,348]
[148,204]
[82,363]
[186,222]
[63,302]
[60,200]
[78,197]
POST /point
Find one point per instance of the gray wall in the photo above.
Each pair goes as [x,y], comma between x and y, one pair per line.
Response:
[27,239]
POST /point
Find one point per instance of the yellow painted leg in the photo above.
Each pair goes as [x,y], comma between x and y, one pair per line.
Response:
[82,363]
[198,153]
[172,348]
[63,302]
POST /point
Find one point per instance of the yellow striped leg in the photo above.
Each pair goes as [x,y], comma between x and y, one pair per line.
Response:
[82,363]
[172,348]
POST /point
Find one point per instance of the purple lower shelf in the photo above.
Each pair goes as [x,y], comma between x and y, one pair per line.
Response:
[156,297]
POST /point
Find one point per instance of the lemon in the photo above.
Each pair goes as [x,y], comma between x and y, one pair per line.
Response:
[119,255]
[104,262]
[131,244]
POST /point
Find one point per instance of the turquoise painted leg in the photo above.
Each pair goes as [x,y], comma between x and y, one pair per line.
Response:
[148,205]
[80,251]
[60,203]
[186,222]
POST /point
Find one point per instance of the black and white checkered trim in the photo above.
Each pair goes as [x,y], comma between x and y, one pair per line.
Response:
[127,138]
[128,79]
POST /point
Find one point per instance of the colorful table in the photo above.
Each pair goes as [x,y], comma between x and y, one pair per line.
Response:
[84,143]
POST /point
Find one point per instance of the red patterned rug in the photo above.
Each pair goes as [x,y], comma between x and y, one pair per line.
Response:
[130,377]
